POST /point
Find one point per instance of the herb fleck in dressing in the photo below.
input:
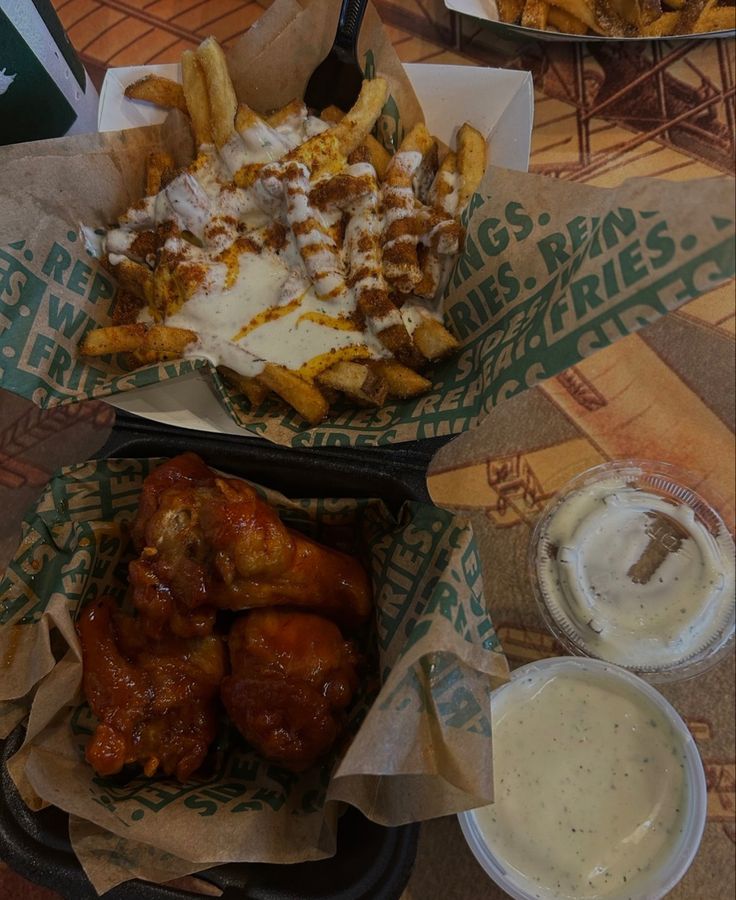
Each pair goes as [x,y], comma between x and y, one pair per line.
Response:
[590,787]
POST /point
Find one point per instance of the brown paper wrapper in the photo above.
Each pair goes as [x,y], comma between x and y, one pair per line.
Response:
[418,734]
[551,272]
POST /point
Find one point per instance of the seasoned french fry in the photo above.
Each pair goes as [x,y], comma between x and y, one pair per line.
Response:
[251,387]
[402,381]
[581,9]
[357,380]
[294,108]
[442,194]
[433,340]
[159,169]
[471,163]
[565,22]
[158,90]
[374,152]
[113,339]
[510,10]
[304,397]
[134,277]
[534,14]
[146,343]
[664,25]
[332,114]
[352,129]
[195,94]
[220,91]
[716,19]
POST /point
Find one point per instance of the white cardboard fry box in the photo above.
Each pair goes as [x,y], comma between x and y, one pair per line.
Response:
[487,11]
[498,102]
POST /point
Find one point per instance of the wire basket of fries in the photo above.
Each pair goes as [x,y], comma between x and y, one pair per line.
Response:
[604,20]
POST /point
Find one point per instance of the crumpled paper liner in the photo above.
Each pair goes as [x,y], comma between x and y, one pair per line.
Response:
[551,272]
[420,730]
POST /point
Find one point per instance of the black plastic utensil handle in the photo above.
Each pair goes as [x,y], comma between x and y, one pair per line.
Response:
[349,22]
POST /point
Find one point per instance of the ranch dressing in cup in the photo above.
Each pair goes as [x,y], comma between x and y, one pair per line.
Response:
[599,789]
[630,565]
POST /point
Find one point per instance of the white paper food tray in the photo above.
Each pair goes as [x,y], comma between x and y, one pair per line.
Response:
[498,102]
[487,11]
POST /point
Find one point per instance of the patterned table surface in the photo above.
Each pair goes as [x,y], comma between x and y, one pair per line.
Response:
[604,112]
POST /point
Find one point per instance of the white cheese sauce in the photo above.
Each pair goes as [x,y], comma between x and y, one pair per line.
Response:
[590,785]
[638,579]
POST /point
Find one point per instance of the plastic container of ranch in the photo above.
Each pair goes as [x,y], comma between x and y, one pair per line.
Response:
[599,791]
[630,565]
[45,91]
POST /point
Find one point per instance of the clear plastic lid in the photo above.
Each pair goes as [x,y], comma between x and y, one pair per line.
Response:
[630,565]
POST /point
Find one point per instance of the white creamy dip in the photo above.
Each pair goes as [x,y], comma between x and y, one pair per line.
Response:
[634,576]
[592,795]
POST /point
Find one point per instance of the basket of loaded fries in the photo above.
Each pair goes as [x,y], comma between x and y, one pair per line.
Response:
[333,277]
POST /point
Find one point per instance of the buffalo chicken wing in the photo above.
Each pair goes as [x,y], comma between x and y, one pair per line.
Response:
[293,675]
[208,542]
[155,701]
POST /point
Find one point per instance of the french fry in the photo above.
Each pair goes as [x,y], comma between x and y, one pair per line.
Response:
[220,91]
[377,155]
[358,380]
[304,397]
[402,381]
[295,108]
[254,390]
[534,14]
[471,162]
[565,22]
[442,194]
[353,128]
[581,9]
[158,90]
[134,277]
[159,169]
[113,339]
[716,19]
[510,10]
[433,340]
[664,25]
[195,94]
[146,343]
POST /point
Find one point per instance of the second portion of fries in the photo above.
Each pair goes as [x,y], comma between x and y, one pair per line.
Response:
[294,252]
[620,18]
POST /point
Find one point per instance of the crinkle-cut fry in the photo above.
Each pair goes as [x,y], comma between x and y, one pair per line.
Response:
[565,22]
[433,340]
[534,14]
[134,277]
[443,193]
[304,397]
[402,381]
[352,129]
[113,339]
[159,169]
[471,163]
[293,109]
[195,94]
[357,380]
[220,91]
[510,10]
[254,390]
[158,90]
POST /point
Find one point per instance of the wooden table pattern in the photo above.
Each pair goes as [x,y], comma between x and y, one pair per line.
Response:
[604,112]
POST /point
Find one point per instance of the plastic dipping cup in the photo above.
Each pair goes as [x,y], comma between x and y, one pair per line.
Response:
[671,859]
[630,565]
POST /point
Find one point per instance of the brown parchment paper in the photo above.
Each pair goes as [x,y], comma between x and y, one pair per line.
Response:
[551,271]
[418,741]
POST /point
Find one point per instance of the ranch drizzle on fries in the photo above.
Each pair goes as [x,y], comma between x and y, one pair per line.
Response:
[279,254]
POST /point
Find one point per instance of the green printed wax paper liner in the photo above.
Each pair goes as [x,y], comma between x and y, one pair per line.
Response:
[551,270]
[419,726]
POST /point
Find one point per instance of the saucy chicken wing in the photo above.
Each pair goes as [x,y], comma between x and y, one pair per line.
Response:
[209,542]
[155,701]
[293,675]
